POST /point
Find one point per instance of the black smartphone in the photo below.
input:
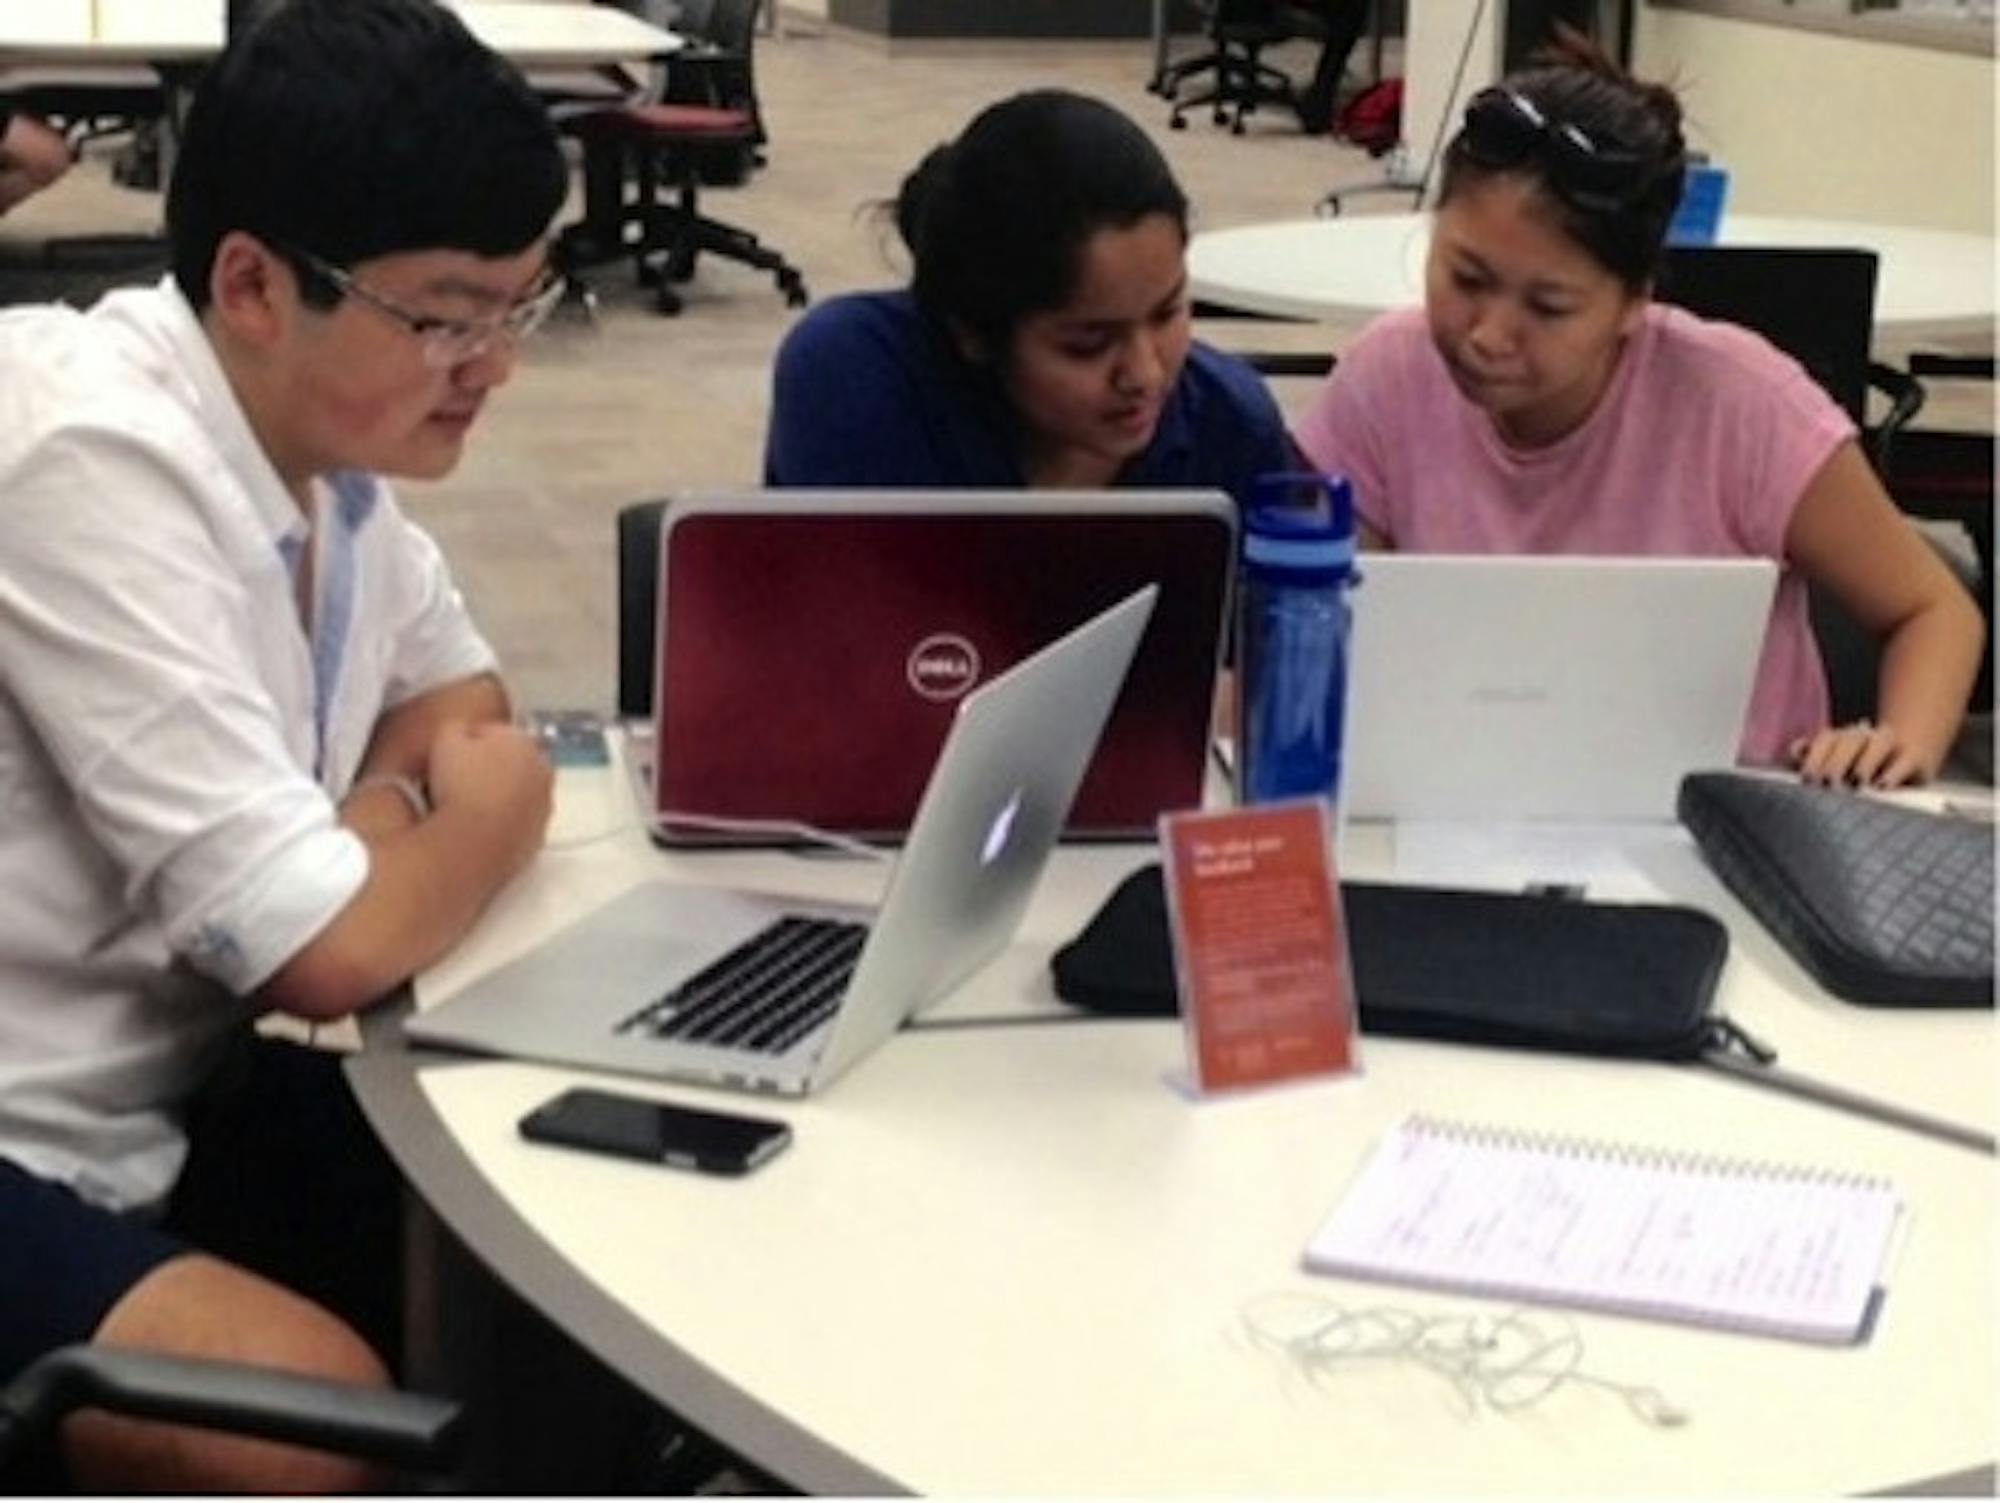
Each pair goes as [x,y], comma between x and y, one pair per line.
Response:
[713,1142]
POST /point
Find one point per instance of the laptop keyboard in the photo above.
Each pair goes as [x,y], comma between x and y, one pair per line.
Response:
[764,995]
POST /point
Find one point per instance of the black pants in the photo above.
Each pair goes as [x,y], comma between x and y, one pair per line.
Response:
[1344,20]
[285,1177]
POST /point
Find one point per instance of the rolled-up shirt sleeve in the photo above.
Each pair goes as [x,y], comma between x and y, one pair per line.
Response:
[130,638]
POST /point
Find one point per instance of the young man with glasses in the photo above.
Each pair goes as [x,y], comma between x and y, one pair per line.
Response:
[253,753]
[1541,402]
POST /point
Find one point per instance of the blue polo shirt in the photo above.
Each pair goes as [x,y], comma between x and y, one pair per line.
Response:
[865,393]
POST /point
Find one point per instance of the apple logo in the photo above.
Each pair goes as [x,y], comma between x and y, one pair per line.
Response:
[1001,830]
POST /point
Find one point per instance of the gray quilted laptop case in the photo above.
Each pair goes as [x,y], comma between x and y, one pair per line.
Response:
[1882,903]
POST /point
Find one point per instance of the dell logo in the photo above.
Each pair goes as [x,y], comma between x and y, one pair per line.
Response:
[942,666]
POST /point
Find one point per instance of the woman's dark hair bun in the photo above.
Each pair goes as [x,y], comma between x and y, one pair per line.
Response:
[1571,48]
[926,186]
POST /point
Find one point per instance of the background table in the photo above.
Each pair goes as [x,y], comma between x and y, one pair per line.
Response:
[128,44]
[109,31]
[534,35]
[1933,282]
[1012,1258]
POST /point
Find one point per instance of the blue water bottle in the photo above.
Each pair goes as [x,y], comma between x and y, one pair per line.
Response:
[1293,619]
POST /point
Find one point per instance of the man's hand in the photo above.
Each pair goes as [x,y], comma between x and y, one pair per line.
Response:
[493,775]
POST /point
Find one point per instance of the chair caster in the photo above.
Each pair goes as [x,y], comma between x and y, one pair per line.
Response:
[666,301]
[580,294]
[1175,122]
[794,288]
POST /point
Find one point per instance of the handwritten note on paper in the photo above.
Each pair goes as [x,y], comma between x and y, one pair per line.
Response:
[1755,1247]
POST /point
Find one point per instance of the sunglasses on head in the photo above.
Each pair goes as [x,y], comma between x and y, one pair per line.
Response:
[1504,128]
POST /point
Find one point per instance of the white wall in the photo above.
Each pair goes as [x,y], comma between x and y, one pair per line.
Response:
[1809,123]
[1437,37]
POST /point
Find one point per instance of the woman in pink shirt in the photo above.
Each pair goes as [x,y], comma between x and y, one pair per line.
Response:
[1541,402]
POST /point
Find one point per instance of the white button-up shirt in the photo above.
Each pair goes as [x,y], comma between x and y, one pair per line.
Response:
[172,741]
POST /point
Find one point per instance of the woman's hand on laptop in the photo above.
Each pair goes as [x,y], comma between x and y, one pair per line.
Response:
[1864,754]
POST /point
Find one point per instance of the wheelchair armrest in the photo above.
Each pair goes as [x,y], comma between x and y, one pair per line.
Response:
[386,1425]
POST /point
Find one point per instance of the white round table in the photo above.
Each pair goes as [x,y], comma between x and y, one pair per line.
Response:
[1933,282]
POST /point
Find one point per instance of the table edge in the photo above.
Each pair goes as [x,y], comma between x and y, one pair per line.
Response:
[384,1080]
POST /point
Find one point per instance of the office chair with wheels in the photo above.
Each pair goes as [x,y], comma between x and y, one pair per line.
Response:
[718,66]
[1239,31]
[407,1431]
[709,116]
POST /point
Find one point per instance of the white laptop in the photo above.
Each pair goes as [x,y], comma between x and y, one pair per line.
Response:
[1558,688]
[754,992]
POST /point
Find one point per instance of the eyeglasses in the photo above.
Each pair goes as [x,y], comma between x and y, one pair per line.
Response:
[1504,128]
[449,342]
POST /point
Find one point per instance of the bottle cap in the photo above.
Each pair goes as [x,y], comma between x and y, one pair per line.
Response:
[1301,524]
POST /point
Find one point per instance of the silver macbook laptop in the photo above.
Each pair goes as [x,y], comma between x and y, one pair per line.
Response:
[1511,688]
[754,992]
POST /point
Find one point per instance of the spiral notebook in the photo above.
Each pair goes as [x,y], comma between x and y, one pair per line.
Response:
[1766,1248]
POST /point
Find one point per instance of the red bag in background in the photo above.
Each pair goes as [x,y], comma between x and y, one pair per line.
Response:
[1373,119]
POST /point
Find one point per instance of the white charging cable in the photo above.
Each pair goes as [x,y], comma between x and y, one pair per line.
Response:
[1506,1362]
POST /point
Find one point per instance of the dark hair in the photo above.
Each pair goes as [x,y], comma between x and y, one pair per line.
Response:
[1635,127]
[996,221]
[355,128]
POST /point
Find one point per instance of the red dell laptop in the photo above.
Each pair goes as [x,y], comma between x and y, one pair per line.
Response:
[811,646]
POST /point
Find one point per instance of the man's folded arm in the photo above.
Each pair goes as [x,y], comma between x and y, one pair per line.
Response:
[431,875]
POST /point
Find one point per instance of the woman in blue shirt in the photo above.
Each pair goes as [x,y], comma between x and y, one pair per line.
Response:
[1044,340]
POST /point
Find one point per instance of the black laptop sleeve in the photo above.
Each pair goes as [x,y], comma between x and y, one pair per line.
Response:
[1882,903]
[1526,971]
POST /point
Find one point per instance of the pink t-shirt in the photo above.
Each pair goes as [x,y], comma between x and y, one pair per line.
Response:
[1701,447]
